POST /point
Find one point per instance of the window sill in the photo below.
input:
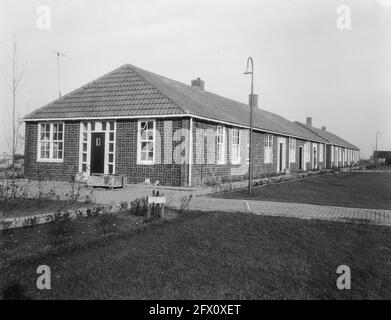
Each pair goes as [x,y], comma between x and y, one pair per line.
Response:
[50,161]
[148,163]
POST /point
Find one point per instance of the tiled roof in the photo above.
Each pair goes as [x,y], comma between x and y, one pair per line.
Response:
[122,92]
[131,91]
[329,136]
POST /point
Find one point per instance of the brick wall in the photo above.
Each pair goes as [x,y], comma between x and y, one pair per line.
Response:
[47,170]
[167,172]
[126,155]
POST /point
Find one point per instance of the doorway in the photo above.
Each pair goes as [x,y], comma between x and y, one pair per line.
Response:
[97,152]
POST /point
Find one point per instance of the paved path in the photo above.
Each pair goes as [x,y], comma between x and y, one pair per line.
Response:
[294,210]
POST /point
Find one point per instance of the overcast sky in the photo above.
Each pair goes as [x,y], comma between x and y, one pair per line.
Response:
[304,65]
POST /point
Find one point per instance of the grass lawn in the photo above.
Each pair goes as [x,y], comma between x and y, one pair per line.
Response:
[360,190]
[207,255]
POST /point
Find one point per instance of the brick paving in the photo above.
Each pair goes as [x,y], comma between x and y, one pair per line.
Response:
[294,210]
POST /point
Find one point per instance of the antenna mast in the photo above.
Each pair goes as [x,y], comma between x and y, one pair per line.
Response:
[58,54]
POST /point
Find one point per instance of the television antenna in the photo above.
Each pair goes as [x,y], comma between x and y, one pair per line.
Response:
[58,54]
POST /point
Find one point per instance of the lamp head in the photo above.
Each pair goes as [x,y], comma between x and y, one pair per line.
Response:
[248,66]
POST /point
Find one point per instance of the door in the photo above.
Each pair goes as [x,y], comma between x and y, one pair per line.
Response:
[280,156]
[300,158]
[97,152]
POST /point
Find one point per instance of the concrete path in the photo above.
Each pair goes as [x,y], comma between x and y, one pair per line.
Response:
[294,210]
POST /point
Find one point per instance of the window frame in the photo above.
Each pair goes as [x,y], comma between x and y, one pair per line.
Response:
[292,146]
[87,128]
[220,145]
[235,157]
[268,148]
[139,142]
[51,142]
[332,154]
[321,152]
[307,152]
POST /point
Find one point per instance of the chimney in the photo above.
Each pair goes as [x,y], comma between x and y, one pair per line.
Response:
[255,100]
[198,83]
[323,128]
[309,121]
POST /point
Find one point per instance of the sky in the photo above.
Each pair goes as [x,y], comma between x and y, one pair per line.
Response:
[305,65]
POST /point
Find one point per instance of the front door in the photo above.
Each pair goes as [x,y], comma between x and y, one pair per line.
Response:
[97,153]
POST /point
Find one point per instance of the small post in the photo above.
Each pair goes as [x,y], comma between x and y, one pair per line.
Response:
[148,213]
[162,211]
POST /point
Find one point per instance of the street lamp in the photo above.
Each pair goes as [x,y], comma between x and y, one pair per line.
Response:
[377,133]
[250,62]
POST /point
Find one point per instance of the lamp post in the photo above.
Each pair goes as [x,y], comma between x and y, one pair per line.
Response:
[250,62]
[377,133]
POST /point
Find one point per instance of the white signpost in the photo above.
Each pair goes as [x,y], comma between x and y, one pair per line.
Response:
[158,201]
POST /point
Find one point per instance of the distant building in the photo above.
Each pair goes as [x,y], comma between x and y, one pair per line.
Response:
[383,157]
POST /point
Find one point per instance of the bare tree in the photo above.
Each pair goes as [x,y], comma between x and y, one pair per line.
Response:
[14,74]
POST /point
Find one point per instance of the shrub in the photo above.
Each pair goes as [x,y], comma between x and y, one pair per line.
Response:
[30,221]
[139,206]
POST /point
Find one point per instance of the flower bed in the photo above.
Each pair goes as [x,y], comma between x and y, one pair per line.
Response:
[32,220]
[267,181]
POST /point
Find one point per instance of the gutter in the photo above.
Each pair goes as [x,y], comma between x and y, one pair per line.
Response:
[175,116]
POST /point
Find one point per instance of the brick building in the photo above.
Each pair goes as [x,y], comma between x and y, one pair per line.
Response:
[339,152]
[142,125]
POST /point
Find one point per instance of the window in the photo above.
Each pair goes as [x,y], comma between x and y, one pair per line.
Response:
[332,153]
[321,146]
[111,160]
[292,150]
[146,142]
[51,142]
[268,146]
[307,152]
[220,145]
[235,146]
